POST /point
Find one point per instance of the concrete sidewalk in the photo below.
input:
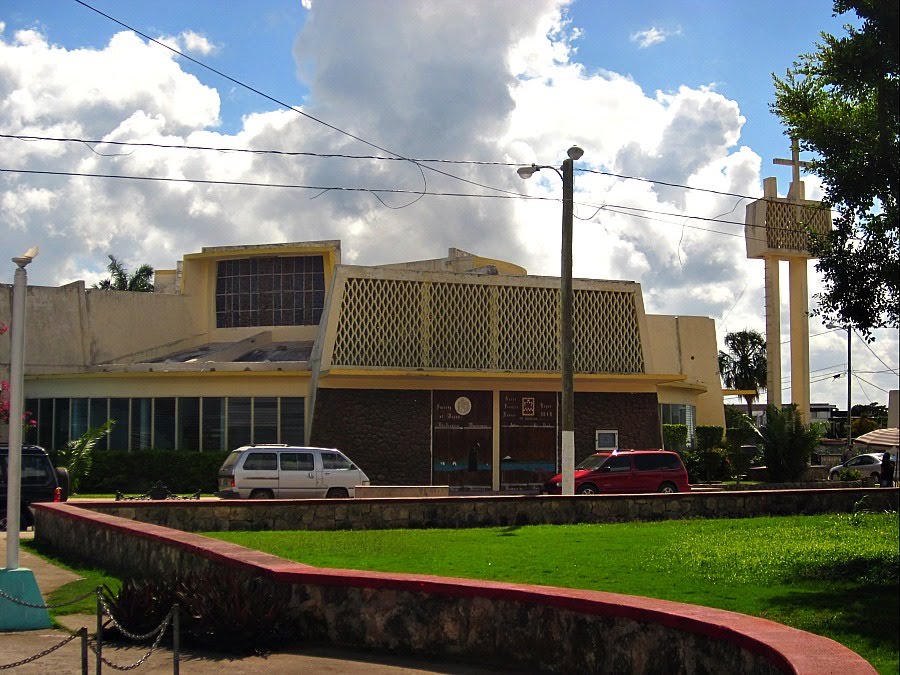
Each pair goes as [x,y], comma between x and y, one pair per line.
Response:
[16,646]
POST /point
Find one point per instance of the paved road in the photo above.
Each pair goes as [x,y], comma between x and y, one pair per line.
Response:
[15,646]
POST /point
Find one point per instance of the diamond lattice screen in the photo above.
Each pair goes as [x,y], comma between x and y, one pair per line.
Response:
[449,326]
[783,230]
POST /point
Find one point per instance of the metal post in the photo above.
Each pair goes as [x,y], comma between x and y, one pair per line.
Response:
[176,638]
[16,406]
[566,333]
[849,383]
[99,631]
[84,650]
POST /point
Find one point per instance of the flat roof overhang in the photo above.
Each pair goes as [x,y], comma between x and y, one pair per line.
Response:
[433,379]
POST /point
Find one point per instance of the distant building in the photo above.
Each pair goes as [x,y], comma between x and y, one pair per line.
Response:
[826,413]
[441,371]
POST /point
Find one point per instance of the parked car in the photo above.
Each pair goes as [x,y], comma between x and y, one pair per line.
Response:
[869,465]
[626,471]
[39,482]
[288,472]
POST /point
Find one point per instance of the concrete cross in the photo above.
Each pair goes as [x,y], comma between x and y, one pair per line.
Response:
[794,162]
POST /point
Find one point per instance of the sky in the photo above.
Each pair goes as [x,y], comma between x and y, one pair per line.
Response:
[676,93]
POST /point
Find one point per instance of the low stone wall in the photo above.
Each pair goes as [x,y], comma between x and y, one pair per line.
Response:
[802,485]
[512,626]
[383,491]
[487,511]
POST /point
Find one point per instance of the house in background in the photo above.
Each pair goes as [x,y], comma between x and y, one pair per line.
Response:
[441,371]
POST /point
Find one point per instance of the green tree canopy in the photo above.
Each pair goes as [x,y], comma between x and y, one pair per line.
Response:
[743,366]
[841,103]
[141,280]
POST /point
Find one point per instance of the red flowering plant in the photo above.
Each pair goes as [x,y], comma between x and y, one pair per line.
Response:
[28,422]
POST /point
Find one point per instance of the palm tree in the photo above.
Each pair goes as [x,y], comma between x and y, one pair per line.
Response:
[743,366]
[141,280]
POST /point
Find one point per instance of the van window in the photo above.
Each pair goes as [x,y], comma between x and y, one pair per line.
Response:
[619,463]
[231,460]
[261,461]
[655,462]
[35,470]
[332,460]
[297,461]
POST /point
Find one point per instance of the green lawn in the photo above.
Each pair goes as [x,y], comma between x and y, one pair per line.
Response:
[834,575]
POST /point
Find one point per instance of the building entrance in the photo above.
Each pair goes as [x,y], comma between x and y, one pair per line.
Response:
[528,433]
[462,438]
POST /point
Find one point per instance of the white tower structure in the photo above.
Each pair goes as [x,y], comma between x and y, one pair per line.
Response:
[778,229]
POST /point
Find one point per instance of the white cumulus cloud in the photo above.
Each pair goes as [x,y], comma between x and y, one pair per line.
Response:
[652,36]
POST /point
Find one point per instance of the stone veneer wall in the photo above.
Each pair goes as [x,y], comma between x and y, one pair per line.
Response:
[502,625]
[636,416]
[386,432]
[489,511]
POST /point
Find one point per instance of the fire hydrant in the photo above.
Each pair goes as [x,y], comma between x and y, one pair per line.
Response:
[57,494]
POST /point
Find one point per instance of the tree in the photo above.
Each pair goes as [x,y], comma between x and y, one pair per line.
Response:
[787,443]
[141,280]
[841,103]
[744,365]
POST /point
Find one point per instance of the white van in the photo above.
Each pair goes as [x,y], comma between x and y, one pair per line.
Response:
[288,472]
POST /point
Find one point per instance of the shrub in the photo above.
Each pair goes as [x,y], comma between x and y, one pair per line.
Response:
[223,610]
[709,437]
[675,437]
[709,465]
[849,474]
[787,443]
[136,472]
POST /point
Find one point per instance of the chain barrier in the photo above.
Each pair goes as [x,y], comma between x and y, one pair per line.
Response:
[44,653]
[161,630]
[103,609]
[55,606]
[123,631]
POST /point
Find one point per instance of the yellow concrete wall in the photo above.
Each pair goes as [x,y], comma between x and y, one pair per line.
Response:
[687,344]
[199,284]
[70,327]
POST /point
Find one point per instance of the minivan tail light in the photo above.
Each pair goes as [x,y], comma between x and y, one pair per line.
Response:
[232,482]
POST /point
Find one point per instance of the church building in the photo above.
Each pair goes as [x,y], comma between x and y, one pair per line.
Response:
[442,371]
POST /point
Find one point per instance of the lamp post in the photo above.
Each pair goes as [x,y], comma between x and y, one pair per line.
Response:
[849,330]
[16,406]
[849,383]
[566,301]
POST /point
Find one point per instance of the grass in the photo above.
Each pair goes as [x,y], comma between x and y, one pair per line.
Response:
[834,575]
[91,579]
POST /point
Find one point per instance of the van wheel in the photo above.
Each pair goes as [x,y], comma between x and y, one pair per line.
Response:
[668,488]
[262,494]
[64,482]
[337,493]
[587,489]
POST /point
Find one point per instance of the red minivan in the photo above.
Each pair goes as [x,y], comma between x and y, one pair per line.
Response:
[626,471]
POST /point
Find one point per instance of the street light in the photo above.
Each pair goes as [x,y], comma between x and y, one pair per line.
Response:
[566,347]
[849,330]
[16,406]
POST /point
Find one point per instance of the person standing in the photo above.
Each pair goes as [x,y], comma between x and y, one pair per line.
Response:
[887,471]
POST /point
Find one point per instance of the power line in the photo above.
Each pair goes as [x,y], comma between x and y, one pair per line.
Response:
[335,155]
[866,343]
[613,208]
[279,102]
[286,153]
[323,189]
[320,188]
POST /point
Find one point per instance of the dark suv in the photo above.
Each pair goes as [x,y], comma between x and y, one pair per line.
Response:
[39,481]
